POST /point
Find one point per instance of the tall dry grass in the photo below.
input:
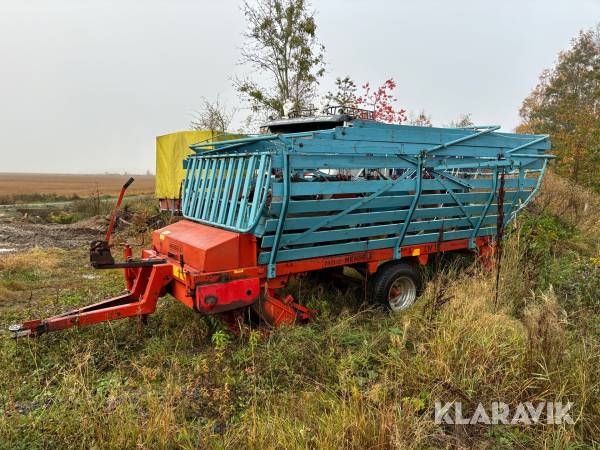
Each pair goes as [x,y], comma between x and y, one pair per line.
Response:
[382,389]
[573,203]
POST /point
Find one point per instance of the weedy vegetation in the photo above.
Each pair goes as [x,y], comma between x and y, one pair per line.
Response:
[357,377]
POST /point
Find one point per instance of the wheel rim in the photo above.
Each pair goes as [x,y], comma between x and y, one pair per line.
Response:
[402,294]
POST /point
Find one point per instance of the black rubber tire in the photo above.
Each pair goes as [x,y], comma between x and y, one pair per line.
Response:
[381,282]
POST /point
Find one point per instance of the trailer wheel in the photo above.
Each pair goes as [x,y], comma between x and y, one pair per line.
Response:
[396,285]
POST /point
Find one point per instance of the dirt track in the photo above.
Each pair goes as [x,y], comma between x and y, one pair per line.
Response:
[14,236]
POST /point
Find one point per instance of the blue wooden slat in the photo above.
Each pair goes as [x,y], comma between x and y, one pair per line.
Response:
[459,164]
[372,231]
[388,202]
[349,187]
[301,223]
[215,200]
[472,154]
[534,165]
[407,148]
[372,244]
[326,161]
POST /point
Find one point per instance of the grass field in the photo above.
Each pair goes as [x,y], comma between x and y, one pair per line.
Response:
[356,377]
[63,186]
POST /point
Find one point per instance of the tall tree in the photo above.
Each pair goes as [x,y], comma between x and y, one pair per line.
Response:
[281,41]
[566,104]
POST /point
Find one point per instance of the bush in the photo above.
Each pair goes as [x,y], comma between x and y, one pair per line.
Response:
[92,206]
[62,217]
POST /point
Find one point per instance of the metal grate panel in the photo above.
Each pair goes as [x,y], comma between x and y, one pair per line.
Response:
[228,191]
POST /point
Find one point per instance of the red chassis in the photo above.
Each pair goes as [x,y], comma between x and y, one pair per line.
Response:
[215,271]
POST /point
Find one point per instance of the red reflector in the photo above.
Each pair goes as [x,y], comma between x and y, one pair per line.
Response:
[220,297]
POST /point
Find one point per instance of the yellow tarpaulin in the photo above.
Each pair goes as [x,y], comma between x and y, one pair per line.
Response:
[171,150]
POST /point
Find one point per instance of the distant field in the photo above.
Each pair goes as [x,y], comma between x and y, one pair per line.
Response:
[18,184]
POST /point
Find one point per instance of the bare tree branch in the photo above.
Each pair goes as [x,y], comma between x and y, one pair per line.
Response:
[212,116]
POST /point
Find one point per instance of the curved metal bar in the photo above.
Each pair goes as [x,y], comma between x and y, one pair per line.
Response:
[532,194]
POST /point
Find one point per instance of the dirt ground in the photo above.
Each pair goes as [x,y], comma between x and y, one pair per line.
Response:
[20,235]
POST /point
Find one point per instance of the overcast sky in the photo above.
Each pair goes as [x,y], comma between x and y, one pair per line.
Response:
[86,85]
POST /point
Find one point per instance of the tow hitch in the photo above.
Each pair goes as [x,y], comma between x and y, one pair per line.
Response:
[139,301]
[147,280]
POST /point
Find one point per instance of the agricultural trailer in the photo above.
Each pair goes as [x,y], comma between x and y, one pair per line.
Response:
[379,198]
